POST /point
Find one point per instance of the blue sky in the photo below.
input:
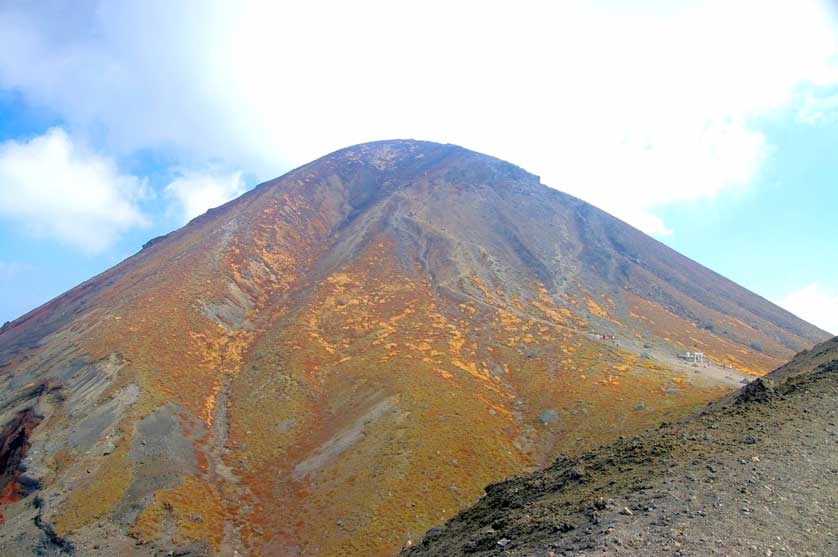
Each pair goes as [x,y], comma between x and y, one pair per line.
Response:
[709,125]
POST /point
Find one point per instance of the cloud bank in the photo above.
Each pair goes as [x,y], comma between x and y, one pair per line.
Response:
[630,110]
[193,193]
[52,187]
[816,304]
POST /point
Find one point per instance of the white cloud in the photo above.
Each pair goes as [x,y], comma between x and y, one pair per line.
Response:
[819,110]
[194,193]
[816,304]
[51,187]
[630,109]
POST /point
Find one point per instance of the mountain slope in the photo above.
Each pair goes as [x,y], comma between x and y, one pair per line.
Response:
[754,474]
[344,356]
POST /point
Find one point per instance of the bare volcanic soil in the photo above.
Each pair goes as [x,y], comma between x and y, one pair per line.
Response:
[754,474]
[345,356]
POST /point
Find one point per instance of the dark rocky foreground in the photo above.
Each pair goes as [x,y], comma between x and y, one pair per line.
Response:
[753,474]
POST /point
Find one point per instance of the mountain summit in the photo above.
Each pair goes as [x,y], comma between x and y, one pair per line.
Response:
[346,355]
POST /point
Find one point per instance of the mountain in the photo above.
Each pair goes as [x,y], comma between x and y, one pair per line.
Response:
[754,474]
[346,355]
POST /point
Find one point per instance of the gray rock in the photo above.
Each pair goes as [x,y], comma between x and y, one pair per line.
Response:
[549,416]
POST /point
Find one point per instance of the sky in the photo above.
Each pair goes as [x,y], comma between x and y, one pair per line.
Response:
[712,126]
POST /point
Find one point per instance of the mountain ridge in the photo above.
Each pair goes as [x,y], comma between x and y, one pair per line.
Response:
[345,355]
[452,149]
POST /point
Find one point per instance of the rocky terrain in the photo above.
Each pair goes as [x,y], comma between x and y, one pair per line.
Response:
[345,356]
[753,474]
